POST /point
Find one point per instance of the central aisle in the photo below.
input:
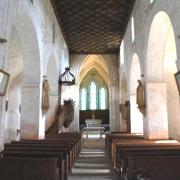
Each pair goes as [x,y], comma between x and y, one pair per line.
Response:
[93,163]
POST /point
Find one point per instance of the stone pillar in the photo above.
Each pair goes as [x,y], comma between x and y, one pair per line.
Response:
[75,96]
[156,122]
[32,123]
[2,122]
[114,109]
[136,116]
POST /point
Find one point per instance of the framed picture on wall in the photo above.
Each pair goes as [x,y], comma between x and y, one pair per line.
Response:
[4,79]
[177,78]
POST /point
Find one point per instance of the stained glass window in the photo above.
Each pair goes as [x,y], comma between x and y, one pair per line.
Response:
[93,96]
[83,99]
[102,98]
[93,92]
[132,29]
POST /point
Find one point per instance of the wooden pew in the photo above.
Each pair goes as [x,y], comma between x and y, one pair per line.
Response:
[118,136]
[59,139]
[69,144]
[152,168]
[51,143]
[47,147]
[39,154]
[28,168]
[125,149]
[76,137]
[24,149]
[71,135]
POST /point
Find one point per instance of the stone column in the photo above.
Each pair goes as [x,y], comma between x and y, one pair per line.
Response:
[75,96]
[114,109]
[2,122]
[32,123]
[156,122]
[136,116]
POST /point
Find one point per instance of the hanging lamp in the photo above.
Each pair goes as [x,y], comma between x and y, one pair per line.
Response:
[65,79]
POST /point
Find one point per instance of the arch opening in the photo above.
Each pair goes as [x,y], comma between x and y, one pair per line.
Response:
[28,72]
[13,97]
[161,66]
[94,82]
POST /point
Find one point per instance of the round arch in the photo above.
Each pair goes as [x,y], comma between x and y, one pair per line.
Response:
[28,72]
[161,66]
[159,29]
[13,97]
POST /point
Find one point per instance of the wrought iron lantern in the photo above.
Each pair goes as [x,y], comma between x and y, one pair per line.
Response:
[65,79]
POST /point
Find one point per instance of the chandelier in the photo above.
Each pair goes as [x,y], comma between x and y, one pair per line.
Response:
[65,79]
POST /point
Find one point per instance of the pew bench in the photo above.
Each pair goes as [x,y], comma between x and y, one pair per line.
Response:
[24,148]
[119,136]
[151,168]
[52,143]
[28,168]
[124,150]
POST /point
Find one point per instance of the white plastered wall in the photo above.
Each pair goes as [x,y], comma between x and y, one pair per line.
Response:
[34,25]
[144,13]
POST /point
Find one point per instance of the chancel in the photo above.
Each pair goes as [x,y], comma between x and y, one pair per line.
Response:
[89,89]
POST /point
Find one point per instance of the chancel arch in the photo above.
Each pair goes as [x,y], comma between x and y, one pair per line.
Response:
[94,83]
[136,115]
[161,86]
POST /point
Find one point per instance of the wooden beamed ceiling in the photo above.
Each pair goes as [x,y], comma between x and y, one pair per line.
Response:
[93,26]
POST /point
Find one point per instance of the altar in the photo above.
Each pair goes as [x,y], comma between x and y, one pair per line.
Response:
[93,125]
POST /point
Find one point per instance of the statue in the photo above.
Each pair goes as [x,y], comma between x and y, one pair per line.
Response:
[125,111]
[45,95]
[140,98]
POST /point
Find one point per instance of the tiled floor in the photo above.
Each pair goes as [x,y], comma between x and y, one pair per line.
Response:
[93,163]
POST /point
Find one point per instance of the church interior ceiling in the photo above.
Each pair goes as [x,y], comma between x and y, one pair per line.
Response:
[93,26]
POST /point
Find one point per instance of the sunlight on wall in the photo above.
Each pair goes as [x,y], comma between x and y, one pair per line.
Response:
[132,29]
[170,68]
[122,53]
[160,67]
[170,52]
[83,99]
[93,92]
[136,116]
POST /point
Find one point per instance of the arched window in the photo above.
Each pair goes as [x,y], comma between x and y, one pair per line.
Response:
[83,99]
[122,53]
[103,100]
[93,96]
[132,29]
